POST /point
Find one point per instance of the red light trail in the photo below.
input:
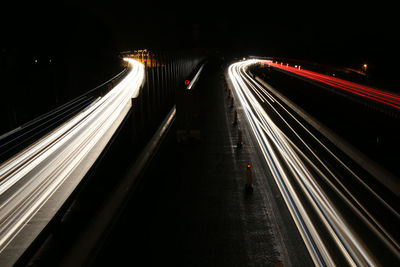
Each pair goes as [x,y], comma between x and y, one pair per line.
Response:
[383,97]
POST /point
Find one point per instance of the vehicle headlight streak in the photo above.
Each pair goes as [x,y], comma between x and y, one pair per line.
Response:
[31,177]
[285,161]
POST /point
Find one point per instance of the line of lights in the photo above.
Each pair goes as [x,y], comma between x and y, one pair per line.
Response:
[383,97]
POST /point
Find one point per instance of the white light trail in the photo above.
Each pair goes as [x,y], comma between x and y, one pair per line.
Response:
[30,178]
[195,78]
[293,170]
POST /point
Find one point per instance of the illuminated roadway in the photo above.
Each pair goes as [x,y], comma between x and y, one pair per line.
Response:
[36,182]
[340,217]
[370,93]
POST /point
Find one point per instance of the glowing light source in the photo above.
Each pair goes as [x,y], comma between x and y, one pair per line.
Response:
[365,67]
[190,84]
[380,96]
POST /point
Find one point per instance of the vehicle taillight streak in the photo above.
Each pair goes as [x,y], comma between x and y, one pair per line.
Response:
[383,97]
[317,194]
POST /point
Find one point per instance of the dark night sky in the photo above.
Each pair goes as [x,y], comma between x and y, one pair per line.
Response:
[83,39]
[284,28]
[328,32]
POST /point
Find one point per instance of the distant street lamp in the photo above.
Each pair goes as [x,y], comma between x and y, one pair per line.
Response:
[364,68]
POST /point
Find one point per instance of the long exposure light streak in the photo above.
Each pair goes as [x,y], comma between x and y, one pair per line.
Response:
[298,177]
[383,97]
[30,178]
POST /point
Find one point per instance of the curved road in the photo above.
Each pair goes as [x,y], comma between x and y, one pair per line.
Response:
[35,182]
[339,214]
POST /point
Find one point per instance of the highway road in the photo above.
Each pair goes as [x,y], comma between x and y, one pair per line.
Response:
[341,212]
[35,182]
[386,98]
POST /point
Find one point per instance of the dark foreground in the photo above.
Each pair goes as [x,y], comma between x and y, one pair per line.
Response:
[191,208]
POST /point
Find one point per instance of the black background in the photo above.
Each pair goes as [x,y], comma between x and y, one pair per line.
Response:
[82,40]
[326,31]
